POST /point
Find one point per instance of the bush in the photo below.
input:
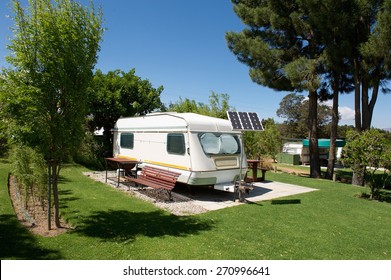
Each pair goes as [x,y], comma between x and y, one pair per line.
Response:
[369,150]
[91,152]
[30,171]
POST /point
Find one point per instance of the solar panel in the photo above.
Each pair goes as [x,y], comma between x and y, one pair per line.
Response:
[257,125]
[243,116]
[244,121]
[235,122]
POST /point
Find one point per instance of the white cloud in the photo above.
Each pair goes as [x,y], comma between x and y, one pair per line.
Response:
[347,113]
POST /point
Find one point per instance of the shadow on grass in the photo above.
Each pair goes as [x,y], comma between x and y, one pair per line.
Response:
[384,196]
[121,225]
[17,243]
[65,196]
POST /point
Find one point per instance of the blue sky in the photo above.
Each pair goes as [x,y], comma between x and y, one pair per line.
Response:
[181,45]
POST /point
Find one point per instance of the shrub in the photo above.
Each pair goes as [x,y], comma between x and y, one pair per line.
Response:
[30,171]
[372,150]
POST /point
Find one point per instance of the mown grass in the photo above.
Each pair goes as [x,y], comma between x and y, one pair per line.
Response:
[331,223]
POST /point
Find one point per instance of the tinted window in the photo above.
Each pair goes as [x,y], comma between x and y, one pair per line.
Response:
[176,144]
[127,140]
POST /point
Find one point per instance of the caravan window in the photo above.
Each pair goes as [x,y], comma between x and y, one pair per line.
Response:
[127,140]
[176,143]
[219,143]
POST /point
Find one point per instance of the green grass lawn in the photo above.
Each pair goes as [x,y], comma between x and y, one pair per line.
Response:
[332,223]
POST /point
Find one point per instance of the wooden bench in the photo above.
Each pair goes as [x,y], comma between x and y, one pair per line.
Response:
[156,178]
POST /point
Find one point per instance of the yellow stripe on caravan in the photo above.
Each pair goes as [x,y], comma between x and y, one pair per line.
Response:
[126,157]
[167,165]
[156,163]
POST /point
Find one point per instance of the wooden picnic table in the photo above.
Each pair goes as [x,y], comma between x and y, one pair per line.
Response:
[123,166]
[254,164]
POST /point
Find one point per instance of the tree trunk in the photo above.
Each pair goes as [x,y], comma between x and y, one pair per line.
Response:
[55,174]
[313,134]
[358,170]
[364,123]
[368,106]
[333,132]
[358,174]
[357,96]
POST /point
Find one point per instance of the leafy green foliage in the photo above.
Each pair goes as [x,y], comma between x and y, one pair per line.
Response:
[111,96]
[294,108]
[92,151]
[320,46]
[30,171]
[218,106]
[372,150]
[263,144]
[120,94]
[53,52]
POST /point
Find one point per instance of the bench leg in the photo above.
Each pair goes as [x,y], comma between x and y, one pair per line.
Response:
[169,195]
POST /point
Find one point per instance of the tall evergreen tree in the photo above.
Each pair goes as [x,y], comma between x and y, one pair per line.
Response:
[320,46]
[283,51]
[370,57]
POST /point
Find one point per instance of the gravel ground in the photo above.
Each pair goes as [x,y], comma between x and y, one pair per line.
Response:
[180,205]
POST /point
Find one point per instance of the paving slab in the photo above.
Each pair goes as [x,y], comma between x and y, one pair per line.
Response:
[267,190]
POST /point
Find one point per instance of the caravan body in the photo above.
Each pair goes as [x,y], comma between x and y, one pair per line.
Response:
[205,150]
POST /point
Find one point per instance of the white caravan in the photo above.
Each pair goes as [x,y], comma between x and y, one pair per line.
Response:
[205,150]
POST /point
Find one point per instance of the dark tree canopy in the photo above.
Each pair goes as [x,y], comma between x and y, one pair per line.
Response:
[120,94]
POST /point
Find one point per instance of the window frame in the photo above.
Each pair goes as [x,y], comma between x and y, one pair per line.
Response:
[122,140]
[169,144]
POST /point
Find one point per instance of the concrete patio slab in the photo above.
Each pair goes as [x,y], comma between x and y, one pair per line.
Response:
[267,190]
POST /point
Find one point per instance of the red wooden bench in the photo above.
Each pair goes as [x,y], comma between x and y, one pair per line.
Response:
[156,178]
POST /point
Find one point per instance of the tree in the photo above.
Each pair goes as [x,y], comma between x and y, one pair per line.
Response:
[372,149]
[290,109]
[263,144]
[119,94]
[3,122]
[333,21]
[372,57]
[217,107]
[53,53]
[294,108]
[283,51]
[313,45]
[371,63]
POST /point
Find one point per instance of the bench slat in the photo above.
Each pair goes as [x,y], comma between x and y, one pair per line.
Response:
[156,178]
